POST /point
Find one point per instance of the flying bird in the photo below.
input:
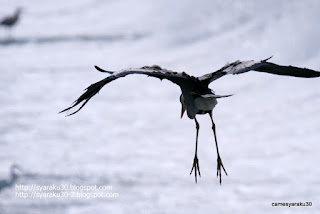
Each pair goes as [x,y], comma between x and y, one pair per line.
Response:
[197,97]
[12,179]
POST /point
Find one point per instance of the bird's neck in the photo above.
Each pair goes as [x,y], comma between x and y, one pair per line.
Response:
[13,177]
[17,13]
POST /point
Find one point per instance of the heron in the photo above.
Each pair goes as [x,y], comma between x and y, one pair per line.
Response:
[11,20]
[196,97]
[12,178]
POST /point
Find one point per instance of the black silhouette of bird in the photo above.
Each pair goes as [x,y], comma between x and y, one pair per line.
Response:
[11,20]
[196,97]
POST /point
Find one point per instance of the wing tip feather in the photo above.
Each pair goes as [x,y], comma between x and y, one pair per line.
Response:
[102,70]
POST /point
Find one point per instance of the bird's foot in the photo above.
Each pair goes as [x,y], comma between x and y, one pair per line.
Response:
[219,165]
[195,167]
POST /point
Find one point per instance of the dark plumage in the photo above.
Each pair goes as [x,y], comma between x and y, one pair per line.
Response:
[10,21]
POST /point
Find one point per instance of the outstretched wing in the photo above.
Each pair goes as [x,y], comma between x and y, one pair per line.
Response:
[239,67]
[181,79]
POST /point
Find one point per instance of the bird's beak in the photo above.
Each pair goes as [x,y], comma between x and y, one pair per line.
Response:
[183,109]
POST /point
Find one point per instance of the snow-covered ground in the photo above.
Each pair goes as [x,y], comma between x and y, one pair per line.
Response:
[130,136]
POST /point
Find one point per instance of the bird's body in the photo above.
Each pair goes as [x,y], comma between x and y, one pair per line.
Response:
[199,104]
[197,97]
[10,21]
[204,105]
[12,178]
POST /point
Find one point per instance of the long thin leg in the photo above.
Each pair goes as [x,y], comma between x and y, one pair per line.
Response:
[219,161]
[195,165]
[9,34]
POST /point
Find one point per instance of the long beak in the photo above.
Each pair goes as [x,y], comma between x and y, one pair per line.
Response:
[183,109]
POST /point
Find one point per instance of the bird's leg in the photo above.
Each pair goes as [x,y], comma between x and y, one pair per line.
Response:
[9,34]
[195,165]
[219,161]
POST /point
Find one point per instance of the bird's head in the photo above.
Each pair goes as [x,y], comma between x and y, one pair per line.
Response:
[183,106]
[18,10]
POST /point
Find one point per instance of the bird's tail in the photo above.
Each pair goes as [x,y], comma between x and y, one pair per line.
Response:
[86,96]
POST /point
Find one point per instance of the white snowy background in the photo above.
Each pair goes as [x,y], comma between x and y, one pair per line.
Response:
[130,136]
